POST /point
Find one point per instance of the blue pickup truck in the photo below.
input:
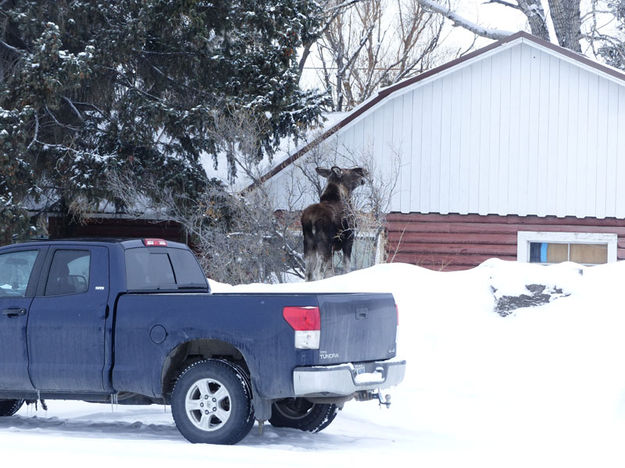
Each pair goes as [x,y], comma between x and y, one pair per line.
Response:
[134,322]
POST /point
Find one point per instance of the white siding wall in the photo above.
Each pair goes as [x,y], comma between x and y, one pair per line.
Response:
[519,131]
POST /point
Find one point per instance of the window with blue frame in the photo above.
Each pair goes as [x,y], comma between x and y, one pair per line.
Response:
[556,252]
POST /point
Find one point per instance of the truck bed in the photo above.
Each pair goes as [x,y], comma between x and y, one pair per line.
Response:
[355,327]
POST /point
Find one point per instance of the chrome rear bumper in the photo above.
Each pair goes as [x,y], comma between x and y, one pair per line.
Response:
[346,379]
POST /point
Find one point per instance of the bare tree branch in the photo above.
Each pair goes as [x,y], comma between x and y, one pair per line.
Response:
[92,106]
[36,132]
[504,3]
[469,48]
[463,22]
[334,11]
[60,124]
[372,45]
[71,105]
[13,49]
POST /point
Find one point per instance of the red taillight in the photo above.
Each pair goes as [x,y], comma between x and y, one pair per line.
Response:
[302,318]
[155,242]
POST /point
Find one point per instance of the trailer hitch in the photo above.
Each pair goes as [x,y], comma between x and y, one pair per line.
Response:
[367,395]
[384,400]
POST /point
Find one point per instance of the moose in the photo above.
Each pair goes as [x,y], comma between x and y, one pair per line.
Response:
[328,226]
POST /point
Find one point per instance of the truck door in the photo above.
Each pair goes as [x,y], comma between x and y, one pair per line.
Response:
[66,326]
[17,286]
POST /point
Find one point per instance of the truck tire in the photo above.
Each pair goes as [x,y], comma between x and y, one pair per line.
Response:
[299,413]
[211,403]
[10,407]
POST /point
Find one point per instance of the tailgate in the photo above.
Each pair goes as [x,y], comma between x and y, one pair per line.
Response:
[357,327]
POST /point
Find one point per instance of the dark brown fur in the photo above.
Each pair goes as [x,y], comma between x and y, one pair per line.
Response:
[328,226]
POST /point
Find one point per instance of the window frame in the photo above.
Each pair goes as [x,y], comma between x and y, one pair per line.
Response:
[46,276]
[525,238]
[34,272]
[176,286]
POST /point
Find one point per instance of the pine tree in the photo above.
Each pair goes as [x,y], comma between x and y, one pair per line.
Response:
[135,86]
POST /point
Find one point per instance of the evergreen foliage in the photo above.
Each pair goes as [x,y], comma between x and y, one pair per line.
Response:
[136,86]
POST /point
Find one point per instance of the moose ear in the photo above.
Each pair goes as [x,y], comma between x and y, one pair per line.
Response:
[337,171]
[323,172]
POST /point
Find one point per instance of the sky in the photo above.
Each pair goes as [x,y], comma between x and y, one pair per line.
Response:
[493,15]
[488,15]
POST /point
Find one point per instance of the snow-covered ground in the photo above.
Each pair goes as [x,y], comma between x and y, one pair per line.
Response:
[542,386]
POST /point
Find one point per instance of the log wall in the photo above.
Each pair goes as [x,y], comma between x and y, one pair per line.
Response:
[459,242]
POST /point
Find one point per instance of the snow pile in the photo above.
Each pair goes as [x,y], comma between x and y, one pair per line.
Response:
[540,386]
[548,378]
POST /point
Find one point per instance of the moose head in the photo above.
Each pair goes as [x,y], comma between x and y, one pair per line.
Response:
[345,179]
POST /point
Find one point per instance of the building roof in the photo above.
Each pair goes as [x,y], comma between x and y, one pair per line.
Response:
[384,93]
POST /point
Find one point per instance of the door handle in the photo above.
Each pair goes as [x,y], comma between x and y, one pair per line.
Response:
[361,313]
[14,312]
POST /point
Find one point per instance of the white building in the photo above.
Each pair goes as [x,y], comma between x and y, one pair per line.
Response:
[516,151]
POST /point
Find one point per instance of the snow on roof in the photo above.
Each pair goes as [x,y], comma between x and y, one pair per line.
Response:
[288,147]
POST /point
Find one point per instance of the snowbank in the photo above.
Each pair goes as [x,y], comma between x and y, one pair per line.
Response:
[538,386]
[550,377]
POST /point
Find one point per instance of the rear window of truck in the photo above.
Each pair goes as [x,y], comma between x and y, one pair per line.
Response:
[149,269]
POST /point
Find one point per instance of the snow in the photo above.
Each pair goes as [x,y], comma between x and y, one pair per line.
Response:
[543,386]
[287,148]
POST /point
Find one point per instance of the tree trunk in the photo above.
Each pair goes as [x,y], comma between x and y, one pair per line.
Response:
[536,18]
[565,14]
[66,221]
[567,22]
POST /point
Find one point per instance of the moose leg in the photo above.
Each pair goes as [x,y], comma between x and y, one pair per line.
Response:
[310,248]
[315,263]
[347,263]
[320,271]
[348,243]
[311,260]
[325,261]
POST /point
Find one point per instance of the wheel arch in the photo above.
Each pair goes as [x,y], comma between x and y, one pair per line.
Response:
[188,352]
